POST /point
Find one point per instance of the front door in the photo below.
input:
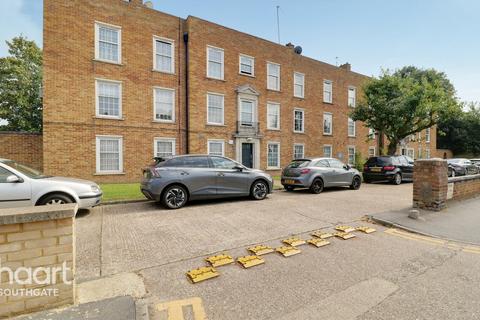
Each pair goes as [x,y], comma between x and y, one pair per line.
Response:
[247,155]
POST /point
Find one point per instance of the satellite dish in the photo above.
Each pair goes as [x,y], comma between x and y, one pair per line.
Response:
[298,50]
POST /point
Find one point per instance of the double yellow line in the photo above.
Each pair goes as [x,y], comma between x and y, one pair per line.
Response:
[432,241]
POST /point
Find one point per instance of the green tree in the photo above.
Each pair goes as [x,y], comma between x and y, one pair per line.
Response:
[461,134]
[20,86]
[406,101]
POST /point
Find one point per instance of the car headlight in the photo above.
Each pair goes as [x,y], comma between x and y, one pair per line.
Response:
[95,188]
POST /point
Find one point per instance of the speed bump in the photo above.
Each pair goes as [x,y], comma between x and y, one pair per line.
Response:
[322,234]
[202,274]
[294,241]
[344,235]
[260,250]
[345,228]
[317,242]
[288,251]
[366,229]
[220,260]
[250,261]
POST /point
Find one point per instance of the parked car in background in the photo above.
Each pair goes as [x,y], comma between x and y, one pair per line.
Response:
[176,180]
[319,173]
[476,162]
[461,167]
[22,186]
[394,169]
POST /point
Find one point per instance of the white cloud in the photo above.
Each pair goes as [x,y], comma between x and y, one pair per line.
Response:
[16,18]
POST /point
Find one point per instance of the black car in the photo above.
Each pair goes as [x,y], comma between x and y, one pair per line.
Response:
[461,167]
[394,169]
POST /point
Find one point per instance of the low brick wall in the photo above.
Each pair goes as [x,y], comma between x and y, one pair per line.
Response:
[26,148]
[430,184]
[464,187]
[37,258]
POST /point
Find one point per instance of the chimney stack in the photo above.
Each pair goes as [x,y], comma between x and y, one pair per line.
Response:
[347,66]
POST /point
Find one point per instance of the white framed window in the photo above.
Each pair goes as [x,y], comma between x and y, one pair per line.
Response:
[246,65]
[273,76]
[371,133]
[298,85]
[109,154]
[164,147]
[298,151]
[427,135]
[216,147]
[108,99]
[372,152]
[327,124]
[215,109]
[327,91]
[108,42]
[215,63]
[327,150]
[351,155]
[298,120]
[273,155]
[164,104]
[247,112]
[163,55]
[419,136]
[351,127]
[411,153]
[352,97]
[427,153]
[273,116]
[419,153]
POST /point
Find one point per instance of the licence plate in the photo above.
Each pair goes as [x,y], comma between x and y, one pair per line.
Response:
[376,169]
[289,181]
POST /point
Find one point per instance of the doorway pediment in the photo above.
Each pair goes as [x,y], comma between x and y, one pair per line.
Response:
[247,89]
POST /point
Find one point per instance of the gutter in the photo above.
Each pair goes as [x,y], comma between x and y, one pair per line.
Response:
[187,102]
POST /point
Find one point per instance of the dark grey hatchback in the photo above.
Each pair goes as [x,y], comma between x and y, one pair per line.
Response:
[178,179]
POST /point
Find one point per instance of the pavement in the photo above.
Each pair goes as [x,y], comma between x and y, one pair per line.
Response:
[388,274]
[459,222]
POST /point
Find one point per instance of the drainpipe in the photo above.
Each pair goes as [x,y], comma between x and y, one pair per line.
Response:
[187,89]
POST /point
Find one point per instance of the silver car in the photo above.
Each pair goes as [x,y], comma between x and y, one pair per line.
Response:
[319,173]
[21,186]
[176,180]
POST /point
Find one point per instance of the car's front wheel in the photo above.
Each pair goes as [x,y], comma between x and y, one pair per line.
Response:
[174,197]
[259,190]
[397,179]
[317,186]
[56,198]
[356,183]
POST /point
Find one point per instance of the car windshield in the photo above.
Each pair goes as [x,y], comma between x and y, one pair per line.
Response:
[29,172]
[298,164]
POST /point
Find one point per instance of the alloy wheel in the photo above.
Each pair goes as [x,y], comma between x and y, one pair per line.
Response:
[55,201]
[356,183]
[259,190]
[175,197]
[398,179]
[317,186]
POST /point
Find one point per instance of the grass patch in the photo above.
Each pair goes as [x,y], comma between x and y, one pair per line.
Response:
[121,191]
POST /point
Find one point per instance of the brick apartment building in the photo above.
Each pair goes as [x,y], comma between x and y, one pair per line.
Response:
[124,83]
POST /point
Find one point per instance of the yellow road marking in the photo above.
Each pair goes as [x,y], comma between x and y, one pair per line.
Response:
[432,241]
[175,308]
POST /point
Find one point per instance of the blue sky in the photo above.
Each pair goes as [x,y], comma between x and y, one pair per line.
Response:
[370,34]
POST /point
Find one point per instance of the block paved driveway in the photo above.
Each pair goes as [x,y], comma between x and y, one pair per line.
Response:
[369,277]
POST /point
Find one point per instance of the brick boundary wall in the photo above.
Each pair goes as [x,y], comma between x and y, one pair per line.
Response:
[430,184]
[465,187]
[24,147]
[41,238]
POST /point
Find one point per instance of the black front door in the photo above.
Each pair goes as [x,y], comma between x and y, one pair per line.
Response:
[247,155]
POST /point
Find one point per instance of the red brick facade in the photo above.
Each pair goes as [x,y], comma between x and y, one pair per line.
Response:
[72,126]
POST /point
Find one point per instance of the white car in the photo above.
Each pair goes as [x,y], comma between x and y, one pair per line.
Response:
[21,186]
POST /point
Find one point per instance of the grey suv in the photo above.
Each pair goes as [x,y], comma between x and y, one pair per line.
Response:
[319,173]
[178,179]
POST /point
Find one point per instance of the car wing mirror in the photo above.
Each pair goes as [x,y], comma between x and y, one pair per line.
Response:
[347,167]
[238,168]
[13,179]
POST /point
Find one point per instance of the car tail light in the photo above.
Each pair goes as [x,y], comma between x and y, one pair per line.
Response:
[365,168]
[304,171]
[389,168]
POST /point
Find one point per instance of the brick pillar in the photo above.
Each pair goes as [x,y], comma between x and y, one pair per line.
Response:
[430,184]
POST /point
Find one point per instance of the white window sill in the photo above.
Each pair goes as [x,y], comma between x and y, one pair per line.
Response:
[247,75]
[218,79]
[216,124]
[274,90]
[302,98]
[273,129]
[163,121]
[352,136]
[108,173]
[165,72]
[328,102]
[108,118]
[109,62]
[273,168]
[328,134]
[301,132]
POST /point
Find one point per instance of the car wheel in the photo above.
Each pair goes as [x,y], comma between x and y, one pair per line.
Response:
[289,188]
[54,199]
[453,173]
[317,186]
[259,190]
[397,179]
[175,197]
[356,183]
